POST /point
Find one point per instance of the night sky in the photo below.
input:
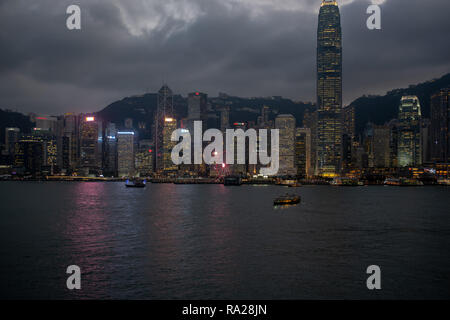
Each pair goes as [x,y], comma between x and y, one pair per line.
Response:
[240,47]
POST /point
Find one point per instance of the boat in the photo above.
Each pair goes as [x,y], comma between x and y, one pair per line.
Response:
[444,182]
[346,182]
[135,184]
[392,182]
[295,185]
[287,199]
[403,182]
[286,182]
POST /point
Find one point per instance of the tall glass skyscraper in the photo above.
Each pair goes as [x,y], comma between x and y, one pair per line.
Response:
[329,90]
[164,109]
[409,140]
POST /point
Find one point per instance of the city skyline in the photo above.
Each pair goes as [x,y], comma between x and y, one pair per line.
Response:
[79,81]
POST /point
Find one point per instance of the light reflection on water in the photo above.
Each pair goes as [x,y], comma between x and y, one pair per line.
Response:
[211,241]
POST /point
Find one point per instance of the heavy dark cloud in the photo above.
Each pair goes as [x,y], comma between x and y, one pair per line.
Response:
[242,47]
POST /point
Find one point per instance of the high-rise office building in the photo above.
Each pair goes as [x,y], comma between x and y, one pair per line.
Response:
[329,89]
[45,123]
[425,137]
[70,130]
[393,142]
[29,155]
[170,125]
[64,153]
[197,109]
[224,118]
[110,151]
[303,152]
[439,127]
[90,143]
[144,158]
[164,110]
[310,121]
[348,114]
[285,123]
[409,139]
[381,146]
[125,153]
[11,137]
[348,150]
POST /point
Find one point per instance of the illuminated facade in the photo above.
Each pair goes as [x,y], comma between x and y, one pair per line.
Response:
[170,125]
[90,146]
[329,90]
[125,153]
[29,155]
[409,138]
[144,162]
[164,109]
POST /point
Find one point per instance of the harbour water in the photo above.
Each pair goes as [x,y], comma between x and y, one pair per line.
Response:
[169,241]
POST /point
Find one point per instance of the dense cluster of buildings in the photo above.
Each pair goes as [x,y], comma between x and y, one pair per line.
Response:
[325,146]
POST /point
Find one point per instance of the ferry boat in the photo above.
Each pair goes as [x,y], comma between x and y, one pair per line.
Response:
[286,182]
[444,182]
[135,184]
[346,182]
[286,200]
[295,185]
[403,182]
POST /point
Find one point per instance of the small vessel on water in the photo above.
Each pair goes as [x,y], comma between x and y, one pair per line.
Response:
[444,182]
[287,199]
[295,185]
[346,182]
[135,184]
[286,182]
[403,182]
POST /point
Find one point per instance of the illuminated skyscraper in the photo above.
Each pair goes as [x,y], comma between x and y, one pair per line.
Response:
[409,139]
[164,109]
[310,121]
[29,155]
[144,158]
[125,153]
[329,89]
[90,146]
[170,125]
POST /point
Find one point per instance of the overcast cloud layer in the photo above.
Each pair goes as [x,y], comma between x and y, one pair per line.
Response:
[241,47]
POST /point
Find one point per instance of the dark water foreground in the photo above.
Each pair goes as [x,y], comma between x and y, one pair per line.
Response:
[214,242]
